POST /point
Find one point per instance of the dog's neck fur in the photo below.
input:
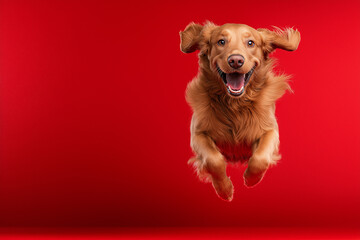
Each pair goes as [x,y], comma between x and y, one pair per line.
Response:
[232,117]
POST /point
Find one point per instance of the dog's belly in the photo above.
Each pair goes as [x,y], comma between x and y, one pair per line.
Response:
[235,153]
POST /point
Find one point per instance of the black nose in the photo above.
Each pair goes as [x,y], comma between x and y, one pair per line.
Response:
[236,61]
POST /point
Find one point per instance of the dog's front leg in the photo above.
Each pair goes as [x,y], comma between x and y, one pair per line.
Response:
[212,162]
[264,154]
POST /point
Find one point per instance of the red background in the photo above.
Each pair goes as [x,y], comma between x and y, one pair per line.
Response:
[95,127]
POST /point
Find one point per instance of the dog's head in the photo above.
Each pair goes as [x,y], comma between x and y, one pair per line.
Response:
[235,51]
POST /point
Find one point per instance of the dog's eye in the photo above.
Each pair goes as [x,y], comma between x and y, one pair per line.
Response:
[251,43]
[221,42]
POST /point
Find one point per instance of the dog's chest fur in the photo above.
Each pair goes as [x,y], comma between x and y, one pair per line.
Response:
[233,121]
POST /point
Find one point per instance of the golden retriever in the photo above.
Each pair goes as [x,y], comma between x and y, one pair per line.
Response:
[233,99]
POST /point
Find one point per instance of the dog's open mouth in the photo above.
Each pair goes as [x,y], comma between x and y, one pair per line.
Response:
[236,82]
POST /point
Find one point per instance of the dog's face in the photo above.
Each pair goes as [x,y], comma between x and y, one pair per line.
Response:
[234,54]
[235,51]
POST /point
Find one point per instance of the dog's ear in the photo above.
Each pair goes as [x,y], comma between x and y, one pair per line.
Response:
[190,37]
[196,37]
[287,39]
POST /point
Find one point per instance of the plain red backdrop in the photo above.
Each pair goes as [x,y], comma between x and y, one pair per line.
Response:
[95,127]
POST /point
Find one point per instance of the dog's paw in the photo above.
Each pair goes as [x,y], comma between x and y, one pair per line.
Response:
[251,179]
[256,169]
[224,189]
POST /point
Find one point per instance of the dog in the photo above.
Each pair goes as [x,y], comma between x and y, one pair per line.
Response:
[233,99]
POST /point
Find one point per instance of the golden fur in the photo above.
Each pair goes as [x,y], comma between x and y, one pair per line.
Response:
[219,117]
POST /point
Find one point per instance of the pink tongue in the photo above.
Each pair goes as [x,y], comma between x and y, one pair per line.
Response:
[235,80]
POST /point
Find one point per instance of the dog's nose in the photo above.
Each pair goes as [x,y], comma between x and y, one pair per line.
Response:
[236,60]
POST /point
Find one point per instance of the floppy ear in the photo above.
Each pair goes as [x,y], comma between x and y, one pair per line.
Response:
[287,39]
[190,37]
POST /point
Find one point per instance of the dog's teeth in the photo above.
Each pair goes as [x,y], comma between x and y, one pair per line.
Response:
[237,91]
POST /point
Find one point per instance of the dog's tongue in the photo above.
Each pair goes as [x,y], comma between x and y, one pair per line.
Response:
[235,80]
